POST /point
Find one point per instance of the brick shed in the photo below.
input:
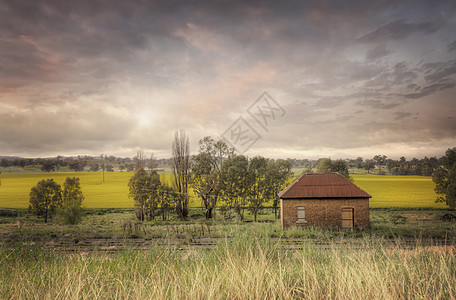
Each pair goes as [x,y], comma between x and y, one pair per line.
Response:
[326,199]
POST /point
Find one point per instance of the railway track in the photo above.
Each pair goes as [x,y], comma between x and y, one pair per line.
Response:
[116,245]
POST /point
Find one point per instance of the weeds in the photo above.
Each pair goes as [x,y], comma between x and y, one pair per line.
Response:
[244,266]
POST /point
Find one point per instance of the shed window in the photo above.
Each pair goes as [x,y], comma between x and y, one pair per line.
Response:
[301,213]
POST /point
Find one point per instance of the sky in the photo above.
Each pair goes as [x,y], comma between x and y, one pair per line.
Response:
[300,79]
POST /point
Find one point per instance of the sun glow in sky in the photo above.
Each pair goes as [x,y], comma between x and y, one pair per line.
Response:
[355,78]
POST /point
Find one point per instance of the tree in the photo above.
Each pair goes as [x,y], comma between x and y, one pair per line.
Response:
[140,160]
[445,179]
[380,161]
[45,198]
[340,166]
[94,167]
[144,189]
[167,197]
[181,168]
[71,211]
[277,176]
[369,164]
[258,185]
[359,162]
[205,176]
[77,165]
[48,166]
[325,165]
[235,183]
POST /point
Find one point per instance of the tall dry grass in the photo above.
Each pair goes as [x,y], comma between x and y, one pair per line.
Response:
[246,267]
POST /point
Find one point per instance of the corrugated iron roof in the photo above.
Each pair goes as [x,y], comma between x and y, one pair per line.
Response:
[323,185]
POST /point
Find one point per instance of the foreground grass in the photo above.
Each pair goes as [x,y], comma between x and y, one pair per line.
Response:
[252,267]
[386,191]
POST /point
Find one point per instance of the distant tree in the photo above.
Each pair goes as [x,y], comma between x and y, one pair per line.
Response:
[181,171]
[140,160]
[71,211]
[130,167]
[48,166]
[94,167]
[121,168]
[58,162]
[77,165]
[380,160]
[325,165]
[5,163]
[369,164]
[307,170]
[359,162]
[45,198]
[109,168]
[340,166]
[445,179]
[22,163]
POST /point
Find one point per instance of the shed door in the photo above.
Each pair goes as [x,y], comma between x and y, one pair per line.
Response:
[347,218]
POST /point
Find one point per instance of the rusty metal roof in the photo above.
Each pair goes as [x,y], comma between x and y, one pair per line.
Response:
[323,185]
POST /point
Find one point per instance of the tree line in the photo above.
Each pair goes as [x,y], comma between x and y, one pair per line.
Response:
[218,177]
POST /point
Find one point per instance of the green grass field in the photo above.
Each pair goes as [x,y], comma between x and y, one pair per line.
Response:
[386,191]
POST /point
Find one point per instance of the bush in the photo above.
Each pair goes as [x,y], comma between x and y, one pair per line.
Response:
[71,212]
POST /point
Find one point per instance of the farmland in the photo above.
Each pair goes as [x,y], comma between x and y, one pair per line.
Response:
[407,253]
[386,191]
[105,258]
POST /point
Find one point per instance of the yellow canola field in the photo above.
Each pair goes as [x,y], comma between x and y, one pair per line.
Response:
[386,191]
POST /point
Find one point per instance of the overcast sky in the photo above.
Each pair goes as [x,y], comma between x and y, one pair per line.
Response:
[347,78]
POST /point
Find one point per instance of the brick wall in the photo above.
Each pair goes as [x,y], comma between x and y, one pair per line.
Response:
[324,212]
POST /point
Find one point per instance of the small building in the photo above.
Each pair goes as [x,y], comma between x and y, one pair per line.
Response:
[326,199]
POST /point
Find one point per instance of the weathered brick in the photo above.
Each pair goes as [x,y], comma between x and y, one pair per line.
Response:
[325,212]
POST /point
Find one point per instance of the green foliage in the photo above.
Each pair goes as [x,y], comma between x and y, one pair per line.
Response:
[277,177]
[258,186]
[45,198]
[71,211]
[368,165]
[325,165]
[340,166]
[48,166]
[206,167]
[235,182]
[145,190]
[445,179]
[380,160]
